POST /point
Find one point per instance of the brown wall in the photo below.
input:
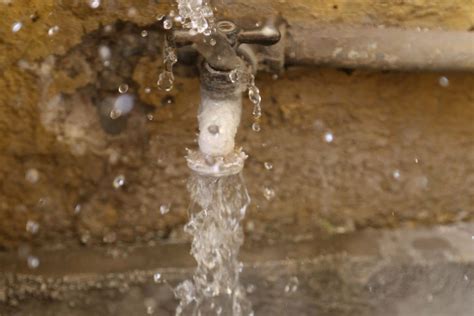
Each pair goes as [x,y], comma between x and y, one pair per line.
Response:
[381,122]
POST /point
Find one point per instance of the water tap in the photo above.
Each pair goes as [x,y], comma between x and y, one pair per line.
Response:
[225,53]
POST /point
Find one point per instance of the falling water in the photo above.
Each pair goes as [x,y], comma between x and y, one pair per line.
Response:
[166,78]
[218,206]
[219,199]
[247,78]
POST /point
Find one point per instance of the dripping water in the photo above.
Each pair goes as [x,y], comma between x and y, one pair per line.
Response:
[247,78]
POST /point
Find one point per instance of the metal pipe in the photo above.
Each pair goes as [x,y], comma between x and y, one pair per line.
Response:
[348,46]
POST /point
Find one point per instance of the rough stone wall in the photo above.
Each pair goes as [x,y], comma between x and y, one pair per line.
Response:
[402,152]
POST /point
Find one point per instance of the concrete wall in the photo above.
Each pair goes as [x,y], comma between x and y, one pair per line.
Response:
[402,153]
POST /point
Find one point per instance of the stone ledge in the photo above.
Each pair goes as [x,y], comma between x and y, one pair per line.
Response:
[402,272]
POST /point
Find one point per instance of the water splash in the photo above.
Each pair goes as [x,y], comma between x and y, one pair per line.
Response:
[196,15]
[218,206]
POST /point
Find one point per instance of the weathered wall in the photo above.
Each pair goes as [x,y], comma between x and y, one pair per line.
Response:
[52,121]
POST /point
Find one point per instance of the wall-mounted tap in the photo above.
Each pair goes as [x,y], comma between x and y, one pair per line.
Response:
[224,52]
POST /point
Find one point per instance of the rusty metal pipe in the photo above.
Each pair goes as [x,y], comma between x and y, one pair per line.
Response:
[379,48]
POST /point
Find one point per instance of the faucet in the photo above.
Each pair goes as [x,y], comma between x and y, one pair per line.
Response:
[225,52]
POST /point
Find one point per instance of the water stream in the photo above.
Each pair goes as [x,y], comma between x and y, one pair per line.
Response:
[219,198]
[218,206]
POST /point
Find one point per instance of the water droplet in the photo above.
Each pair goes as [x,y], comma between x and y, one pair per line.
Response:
[53,30]
[443,81]
[212,42]
[77,209]
[254,95]
[256,127]
[178,19]
[119,181]
[32,227]
[157,277]
[123,88]
[213,129]
[32,175]
[16,26]
[185,292]
[150,117]
[144,33]
[234,75]
[108,28]
[165,208]
[147,90]
[269,193]
[396,174]
[328,137]
[207,31]
[292,285]
[122,105]
[115,114]
[33,262]
[268,165]
[94,4]
[255,98]
[104,52]
[167,23]
[166,81]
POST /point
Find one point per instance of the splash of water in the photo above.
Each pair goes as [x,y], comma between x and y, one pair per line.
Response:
[196,15]
[218,206]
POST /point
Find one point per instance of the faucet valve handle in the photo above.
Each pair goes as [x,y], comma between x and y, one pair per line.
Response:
[267,35]
[219,49]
